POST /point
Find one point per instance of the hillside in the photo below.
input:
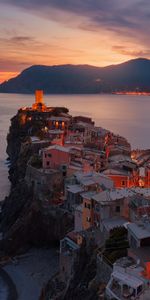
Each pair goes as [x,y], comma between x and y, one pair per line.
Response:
[130,76]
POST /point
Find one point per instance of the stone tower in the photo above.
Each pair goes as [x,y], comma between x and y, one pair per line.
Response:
[39,96]
[39,103]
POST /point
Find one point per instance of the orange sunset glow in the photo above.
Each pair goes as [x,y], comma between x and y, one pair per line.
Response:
[4,76]
[75,149]
[74,32]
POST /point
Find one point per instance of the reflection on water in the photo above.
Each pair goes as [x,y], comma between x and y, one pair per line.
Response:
[126,115]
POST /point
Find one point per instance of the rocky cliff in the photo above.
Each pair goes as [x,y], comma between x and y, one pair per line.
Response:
[23,221]
[84,283]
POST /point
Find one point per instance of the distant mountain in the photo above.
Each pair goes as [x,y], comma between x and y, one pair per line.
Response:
[132,75]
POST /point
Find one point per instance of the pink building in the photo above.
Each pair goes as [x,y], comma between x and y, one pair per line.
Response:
[56,156]
[56,136]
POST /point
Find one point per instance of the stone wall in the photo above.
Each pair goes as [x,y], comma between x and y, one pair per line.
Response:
[41,179]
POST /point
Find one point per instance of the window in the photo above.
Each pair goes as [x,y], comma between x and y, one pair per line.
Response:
[47,163]
[87,205]
[49,155]
[45,155]
[117,208]
[123,183]
[88,219]
[97,208]
[64,167]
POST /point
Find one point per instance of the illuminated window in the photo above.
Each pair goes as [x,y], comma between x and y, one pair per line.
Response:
[123,183]
[141,182]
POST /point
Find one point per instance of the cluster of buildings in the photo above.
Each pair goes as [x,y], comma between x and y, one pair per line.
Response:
[93,174]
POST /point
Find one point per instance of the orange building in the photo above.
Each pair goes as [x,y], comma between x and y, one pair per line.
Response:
[121,178]
[120,181]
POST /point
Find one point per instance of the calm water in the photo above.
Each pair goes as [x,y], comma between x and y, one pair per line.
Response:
[127,115]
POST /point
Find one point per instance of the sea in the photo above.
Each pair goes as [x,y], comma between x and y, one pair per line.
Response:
[126,115]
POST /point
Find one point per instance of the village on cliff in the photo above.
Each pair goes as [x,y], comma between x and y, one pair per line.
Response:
[94,176]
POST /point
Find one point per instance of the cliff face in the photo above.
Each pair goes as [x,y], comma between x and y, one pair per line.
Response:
[23,221]
[16,137]
[82,285]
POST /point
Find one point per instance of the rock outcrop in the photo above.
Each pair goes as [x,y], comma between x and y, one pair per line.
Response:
[24,222]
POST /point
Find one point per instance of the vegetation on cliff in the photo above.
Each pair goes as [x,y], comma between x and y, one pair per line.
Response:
[116,245]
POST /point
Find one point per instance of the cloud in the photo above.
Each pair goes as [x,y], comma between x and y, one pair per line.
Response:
[110,12]
[12,65]
[129,18]
[98,25]
[130,52]
[21,51]
[21,39]
[18,40]
[17,52]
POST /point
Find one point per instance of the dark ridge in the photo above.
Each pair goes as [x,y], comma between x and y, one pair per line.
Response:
[133,75]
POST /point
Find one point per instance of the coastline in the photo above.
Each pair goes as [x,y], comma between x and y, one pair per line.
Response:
[32,269]
[10,286]
[27,217]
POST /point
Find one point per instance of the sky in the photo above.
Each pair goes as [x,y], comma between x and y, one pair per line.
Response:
[53,32]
